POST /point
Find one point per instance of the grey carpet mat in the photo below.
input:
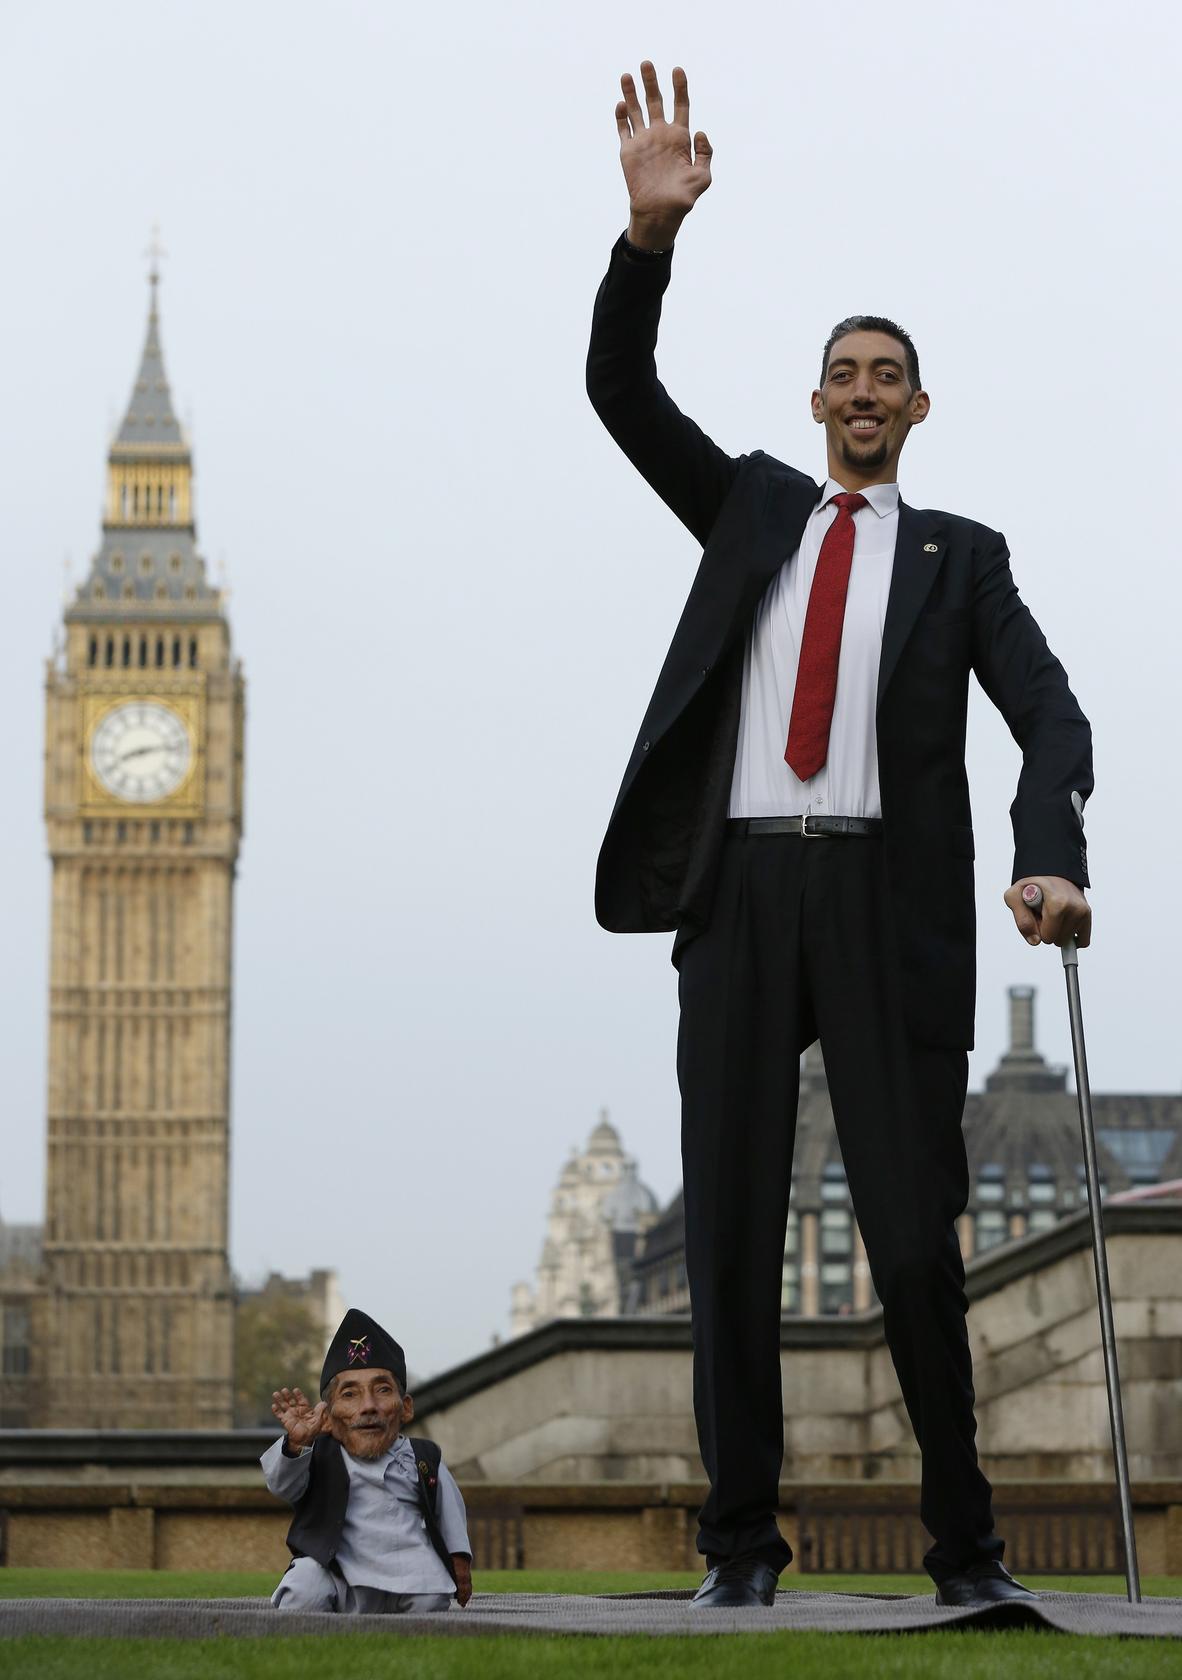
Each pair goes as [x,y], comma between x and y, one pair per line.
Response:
[651,1613]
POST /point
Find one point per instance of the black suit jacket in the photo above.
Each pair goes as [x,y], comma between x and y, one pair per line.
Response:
[953,609]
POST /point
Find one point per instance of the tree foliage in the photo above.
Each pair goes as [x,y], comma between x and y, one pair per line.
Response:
[277,1341]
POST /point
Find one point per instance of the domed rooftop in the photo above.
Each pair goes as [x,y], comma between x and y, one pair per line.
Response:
[629,1202]
[604,1140]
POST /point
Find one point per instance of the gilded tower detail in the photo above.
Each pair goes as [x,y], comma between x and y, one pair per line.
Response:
[143,805]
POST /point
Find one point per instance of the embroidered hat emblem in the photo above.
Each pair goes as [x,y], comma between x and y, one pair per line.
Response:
[359,1350]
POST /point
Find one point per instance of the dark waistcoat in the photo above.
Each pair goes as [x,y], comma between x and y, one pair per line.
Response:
[318,1518]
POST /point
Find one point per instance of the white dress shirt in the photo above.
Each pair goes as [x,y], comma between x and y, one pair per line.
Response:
[846,785]
[384,1543]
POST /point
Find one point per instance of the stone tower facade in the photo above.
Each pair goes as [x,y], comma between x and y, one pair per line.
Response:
[143,805]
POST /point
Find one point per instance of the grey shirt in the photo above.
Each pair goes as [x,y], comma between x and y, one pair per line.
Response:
[385,1542]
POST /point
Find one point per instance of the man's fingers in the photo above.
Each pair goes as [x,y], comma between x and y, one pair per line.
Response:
[1027,925]
[1025,920]
[1070,923]
[680,97]
[623,126]
[1059,914]
[652,92]
[631,103]
[703,152]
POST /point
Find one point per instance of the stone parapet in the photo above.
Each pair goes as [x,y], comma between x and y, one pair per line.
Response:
[586,1526]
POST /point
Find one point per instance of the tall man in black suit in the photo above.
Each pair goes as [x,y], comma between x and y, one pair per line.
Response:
[796,808]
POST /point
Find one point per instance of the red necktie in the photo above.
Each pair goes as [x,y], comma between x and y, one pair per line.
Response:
[816,674]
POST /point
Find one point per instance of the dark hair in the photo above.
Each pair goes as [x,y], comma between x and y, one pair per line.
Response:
[878,324]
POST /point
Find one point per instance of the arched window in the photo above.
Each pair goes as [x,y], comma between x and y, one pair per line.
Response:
[991,1228]
[790,1284]
[833,1183]
[991,1183]
[837,1246]
[1041,1193]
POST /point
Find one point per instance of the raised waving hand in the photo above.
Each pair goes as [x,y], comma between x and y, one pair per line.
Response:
[666,171]
[300,1421]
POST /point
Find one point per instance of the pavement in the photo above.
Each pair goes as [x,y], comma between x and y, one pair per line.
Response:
[653,1613]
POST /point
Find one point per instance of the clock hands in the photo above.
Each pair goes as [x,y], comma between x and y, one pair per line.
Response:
[138,752]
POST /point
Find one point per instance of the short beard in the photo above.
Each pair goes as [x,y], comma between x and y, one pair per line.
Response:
[876,457]
[368,1443]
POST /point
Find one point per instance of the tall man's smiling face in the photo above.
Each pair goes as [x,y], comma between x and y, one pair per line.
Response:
[368,1410]
[867,407]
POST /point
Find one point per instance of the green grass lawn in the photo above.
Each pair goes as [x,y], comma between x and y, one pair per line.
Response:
[758,1656]
[967,1655]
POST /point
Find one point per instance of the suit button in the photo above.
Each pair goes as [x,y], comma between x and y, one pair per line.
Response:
[646,746]
[705,670]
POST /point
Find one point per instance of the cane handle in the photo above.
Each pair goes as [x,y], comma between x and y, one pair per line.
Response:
[1032,899]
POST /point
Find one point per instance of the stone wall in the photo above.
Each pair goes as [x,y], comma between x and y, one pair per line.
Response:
[217,1524]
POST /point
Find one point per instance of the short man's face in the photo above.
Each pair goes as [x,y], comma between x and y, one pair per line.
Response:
[866,404]
[368,1409]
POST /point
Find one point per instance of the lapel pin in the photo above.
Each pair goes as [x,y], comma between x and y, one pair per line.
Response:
[931,548]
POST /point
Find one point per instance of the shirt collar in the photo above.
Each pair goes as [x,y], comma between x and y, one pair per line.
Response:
[883,498]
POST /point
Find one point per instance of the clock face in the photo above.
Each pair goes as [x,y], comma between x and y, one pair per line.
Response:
[141,751]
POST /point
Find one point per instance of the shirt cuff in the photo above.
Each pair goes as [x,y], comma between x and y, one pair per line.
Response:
[639,256]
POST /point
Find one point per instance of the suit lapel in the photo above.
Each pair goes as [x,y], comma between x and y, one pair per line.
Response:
[736,571]
[920,546]
[785,516]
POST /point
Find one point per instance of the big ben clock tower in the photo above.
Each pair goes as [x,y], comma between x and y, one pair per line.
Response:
[143,804]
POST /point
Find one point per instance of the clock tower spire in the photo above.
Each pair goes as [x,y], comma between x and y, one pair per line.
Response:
[143,807]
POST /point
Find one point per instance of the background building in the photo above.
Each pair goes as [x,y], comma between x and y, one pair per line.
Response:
[598,1215]
[143,810]
[22,1306]
[1026,1173]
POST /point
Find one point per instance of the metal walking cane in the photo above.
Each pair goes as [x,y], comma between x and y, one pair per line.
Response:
[1032,898]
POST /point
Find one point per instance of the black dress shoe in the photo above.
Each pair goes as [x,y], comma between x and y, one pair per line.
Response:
[984,1583]
[735,1584]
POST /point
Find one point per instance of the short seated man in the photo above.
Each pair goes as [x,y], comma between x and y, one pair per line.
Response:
[379,1525]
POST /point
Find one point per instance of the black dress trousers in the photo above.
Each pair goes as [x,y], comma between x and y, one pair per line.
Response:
[800,945]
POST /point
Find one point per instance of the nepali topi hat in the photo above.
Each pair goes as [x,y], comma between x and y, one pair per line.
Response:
[361,1344]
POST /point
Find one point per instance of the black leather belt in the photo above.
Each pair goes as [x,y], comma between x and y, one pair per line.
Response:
[810,826]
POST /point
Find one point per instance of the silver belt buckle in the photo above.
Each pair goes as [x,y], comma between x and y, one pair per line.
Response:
[806,832]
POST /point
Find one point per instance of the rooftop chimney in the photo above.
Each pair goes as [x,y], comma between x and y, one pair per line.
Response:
[1022,1068]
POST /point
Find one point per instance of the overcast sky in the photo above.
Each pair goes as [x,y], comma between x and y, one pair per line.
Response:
[452,595]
